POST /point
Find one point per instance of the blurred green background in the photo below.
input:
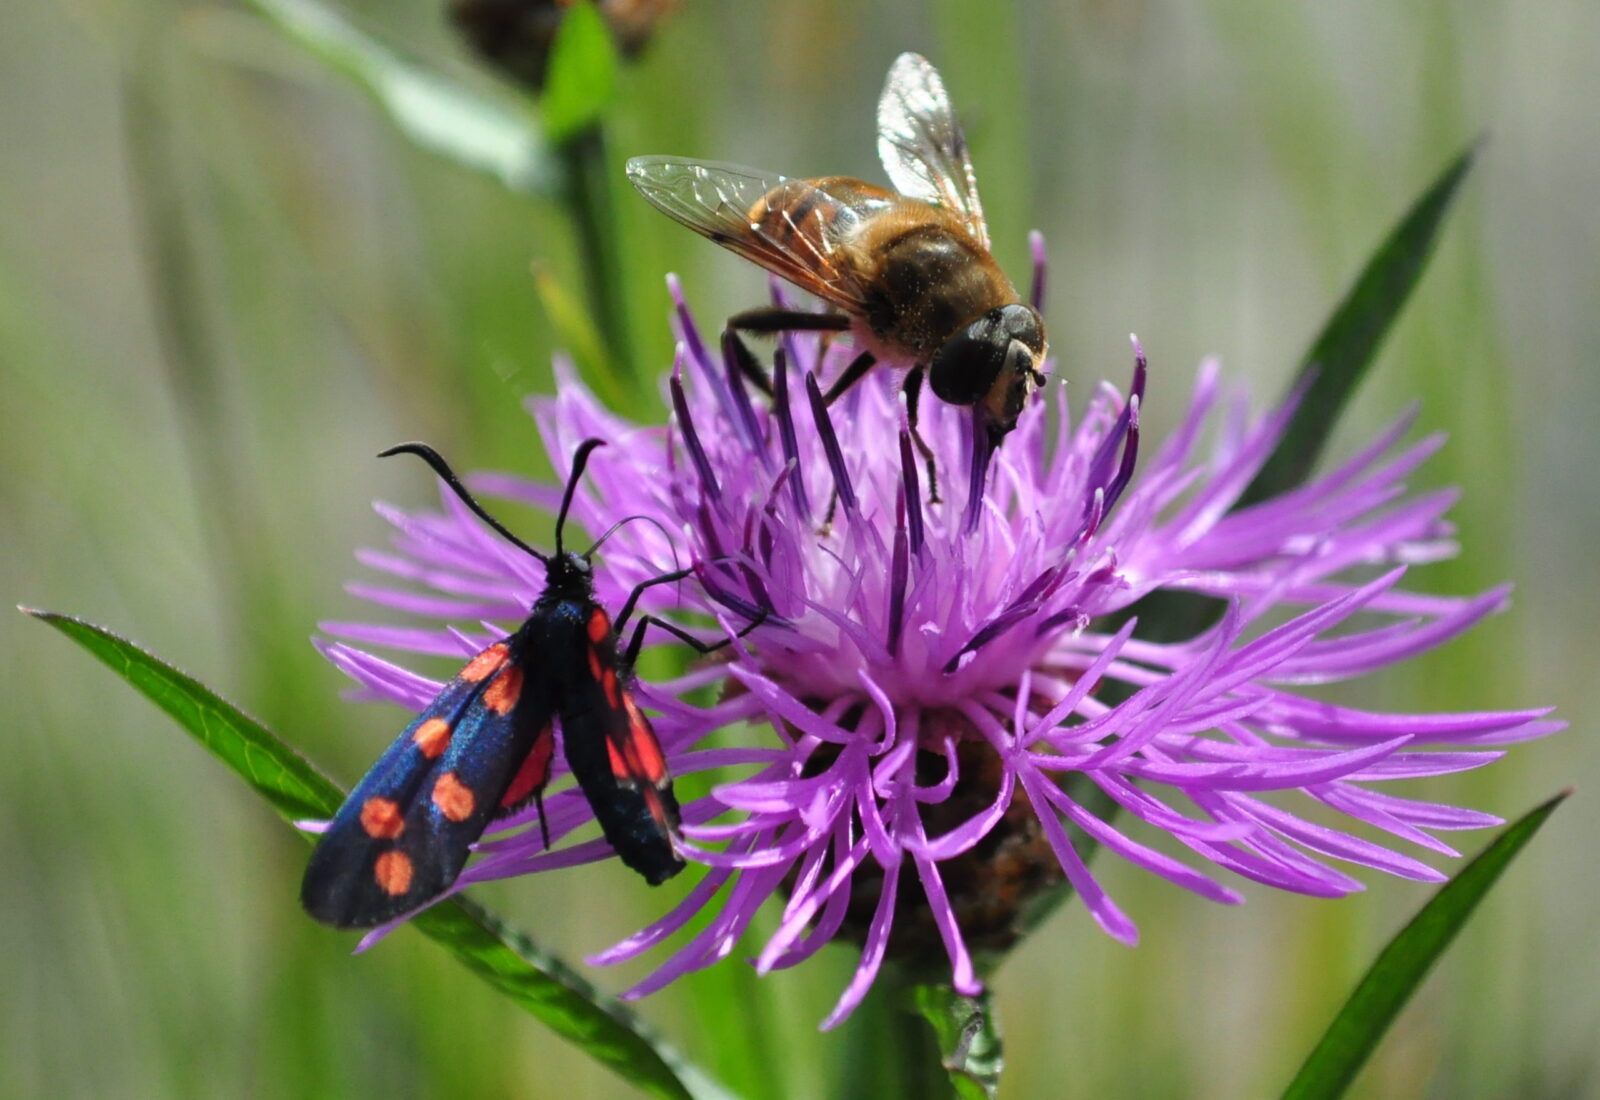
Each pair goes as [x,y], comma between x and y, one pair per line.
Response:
[226,282]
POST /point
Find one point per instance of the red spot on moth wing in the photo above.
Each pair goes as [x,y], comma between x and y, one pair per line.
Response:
[393,873]
[502,695]
[636,756]
[642,742]
[596,669]
[432,737]
[619,765]
[533,773]
[609,679]
[382,819]
[599,625]
[481,666]
[453,797]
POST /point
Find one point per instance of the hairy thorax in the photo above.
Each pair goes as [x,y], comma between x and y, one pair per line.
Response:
[928,280]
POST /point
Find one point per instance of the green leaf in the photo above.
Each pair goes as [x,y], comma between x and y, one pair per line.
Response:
[540,983]
[488,135]
[1350,340]
[1336,363]
[296,789]
[576,331]
[968,1035]
[1399,970]
[582,78]
[568,1004]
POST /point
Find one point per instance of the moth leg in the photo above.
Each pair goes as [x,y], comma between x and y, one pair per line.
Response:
[638,590]
[636,643]
[544,825]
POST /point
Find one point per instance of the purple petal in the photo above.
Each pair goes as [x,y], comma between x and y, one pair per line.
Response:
[1105,912]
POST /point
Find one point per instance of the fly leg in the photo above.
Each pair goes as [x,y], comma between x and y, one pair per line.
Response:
[770,321]
[738,352]
[857,370]
[913,391]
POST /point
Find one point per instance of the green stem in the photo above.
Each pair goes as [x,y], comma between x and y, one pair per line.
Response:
[891,1049]
[588,200]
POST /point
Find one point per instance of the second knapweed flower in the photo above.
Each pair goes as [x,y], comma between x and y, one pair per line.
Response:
[937,696]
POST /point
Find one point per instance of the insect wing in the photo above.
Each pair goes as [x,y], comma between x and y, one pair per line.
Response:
[617,760]
[405,832]
[618,763]
[723,202]
[921,144]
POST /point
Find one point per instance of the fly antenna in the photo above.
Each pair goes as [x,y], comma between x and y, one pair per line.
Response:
[580,459]
[442,468]
[621,523]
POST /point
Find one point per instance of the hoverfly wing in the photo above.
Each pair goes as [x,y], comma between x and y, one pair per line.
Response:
[404,834]
[921,144]
[791,227]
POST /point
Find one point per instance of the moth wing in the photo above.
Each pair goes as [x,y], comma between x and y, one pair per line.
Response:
[617,760]
[406,830]
[628,785]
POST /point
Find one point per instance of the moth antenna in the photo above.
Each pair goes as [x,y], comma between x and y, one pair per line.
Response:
[442,468]
[580,459]
[615,527]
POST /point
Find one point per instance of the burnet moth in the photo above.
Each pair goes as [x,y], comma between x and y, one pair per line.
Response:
[481,749]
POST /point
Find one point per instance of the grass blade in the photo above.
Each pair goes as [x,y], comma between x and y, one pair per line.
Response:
[583,74]
[1349,342]
[1402,965]
[1331,370]
[538,982]
[487,135]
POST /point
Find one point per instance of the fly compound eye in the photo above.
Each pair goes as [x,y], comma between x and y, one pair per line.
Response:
[965,369]
[1023,323]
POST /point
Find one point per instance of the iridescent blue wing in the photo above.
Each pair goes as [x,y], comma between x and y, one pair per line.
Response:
[479,749]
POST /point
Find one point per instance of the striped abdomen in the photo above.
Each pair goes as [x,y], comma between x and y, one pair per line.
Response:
[814,218]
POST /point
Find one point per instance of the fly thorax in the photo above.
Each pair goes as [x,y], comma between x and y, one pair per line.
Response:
[930,285]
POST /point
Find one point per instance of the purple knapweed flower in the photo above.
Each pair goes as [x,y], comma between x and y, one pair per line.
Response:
[942,698]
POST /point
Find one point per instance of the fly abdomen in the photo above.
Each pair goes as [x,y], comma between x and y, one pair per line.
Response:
[812,218]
